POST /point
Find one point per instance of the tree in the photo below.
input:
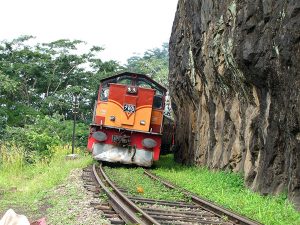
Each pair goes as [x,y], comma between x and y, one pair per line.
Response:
[154,62]
[42,79]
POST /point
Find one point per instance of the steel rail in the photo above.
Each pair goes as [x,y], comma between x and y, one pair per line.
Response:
[127,210]
[205,204]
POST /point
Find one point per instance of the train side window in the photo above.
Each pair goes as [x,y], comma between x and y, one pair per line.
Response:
[104,93]
[157,102]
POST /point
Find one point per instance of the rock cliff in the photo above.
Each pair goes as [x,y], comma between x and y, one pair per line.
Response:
[235,89]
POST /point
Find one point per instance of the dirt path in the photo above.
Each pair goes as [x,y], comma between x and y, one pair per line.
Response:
[67,204]
[71,203]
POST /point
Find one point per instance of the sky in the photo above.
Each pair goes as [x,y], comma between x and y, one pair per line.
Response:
[123,27]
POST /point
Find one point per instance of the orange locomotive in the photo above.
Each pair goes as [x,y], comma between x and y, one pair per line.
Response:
[128,120]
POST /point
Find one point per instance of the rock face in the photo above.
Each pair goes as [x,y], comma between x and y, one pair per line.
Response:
[235,89]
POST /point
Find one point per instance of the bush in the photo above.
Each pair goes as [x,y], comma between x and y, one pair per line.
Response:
[11,157]
[45,133]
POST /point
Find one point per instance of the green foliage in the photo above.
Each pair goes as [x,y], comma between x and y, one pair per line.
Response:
[154,63]
[25,185]
[43,78]
[43,134]
[133,178]
[7,85]
[228,190]
[3,121]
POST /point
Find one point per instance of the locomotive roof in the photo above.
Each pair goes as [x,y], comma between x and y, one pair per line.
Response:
[137,74]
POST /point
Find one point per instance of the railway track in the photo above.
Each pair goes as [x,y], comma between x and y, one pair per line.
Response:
[127,209]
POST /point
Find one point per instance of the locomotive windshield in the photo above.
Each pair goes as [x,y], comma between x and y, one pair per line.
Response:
[141,82]
[134,81]
[124,80]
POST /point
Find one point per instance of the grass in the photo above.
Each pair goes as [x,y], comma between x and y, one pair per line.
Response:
[228,190]
[24,186]
[133,180]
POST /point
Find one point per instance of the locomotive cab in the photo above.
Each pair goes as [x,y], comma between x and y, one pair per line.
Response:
[127,120]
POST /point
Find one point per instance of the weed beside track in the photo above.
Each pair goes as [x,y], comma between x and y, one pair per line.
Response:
[228,189]
[24,187]
[136,183]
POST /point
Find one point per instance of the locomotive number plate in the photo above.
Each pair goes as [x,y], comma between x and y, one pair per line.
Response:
[116,138]
[129,108]
[123,140]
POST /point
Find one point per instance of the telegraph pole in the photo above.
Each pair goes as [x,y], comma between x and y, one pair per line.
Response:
[75,111]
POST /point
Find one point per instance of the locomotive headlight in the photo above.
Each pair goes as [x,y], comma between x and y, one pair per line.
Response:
[99,136]
[149,143]
[112,118]
[143,122]
[132,89]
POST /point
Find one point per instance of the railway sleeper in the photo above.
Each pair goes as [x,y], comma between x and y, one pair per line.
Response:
[116,221]
[108,212]
[155,200]
[108,216]
[88,169]
[88,178]
[86,174]
[89,183]
[192,213]
[186,223]
[178,205]
[197,221]
[102,207]
[180,214]
[185,218]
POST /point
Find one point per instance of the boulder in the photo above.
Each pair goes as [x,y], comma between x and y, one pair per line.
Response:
[234,84]
[11,218]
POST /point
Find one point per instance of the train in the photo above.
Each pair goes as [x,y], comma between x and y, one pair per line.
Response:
[128,121]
